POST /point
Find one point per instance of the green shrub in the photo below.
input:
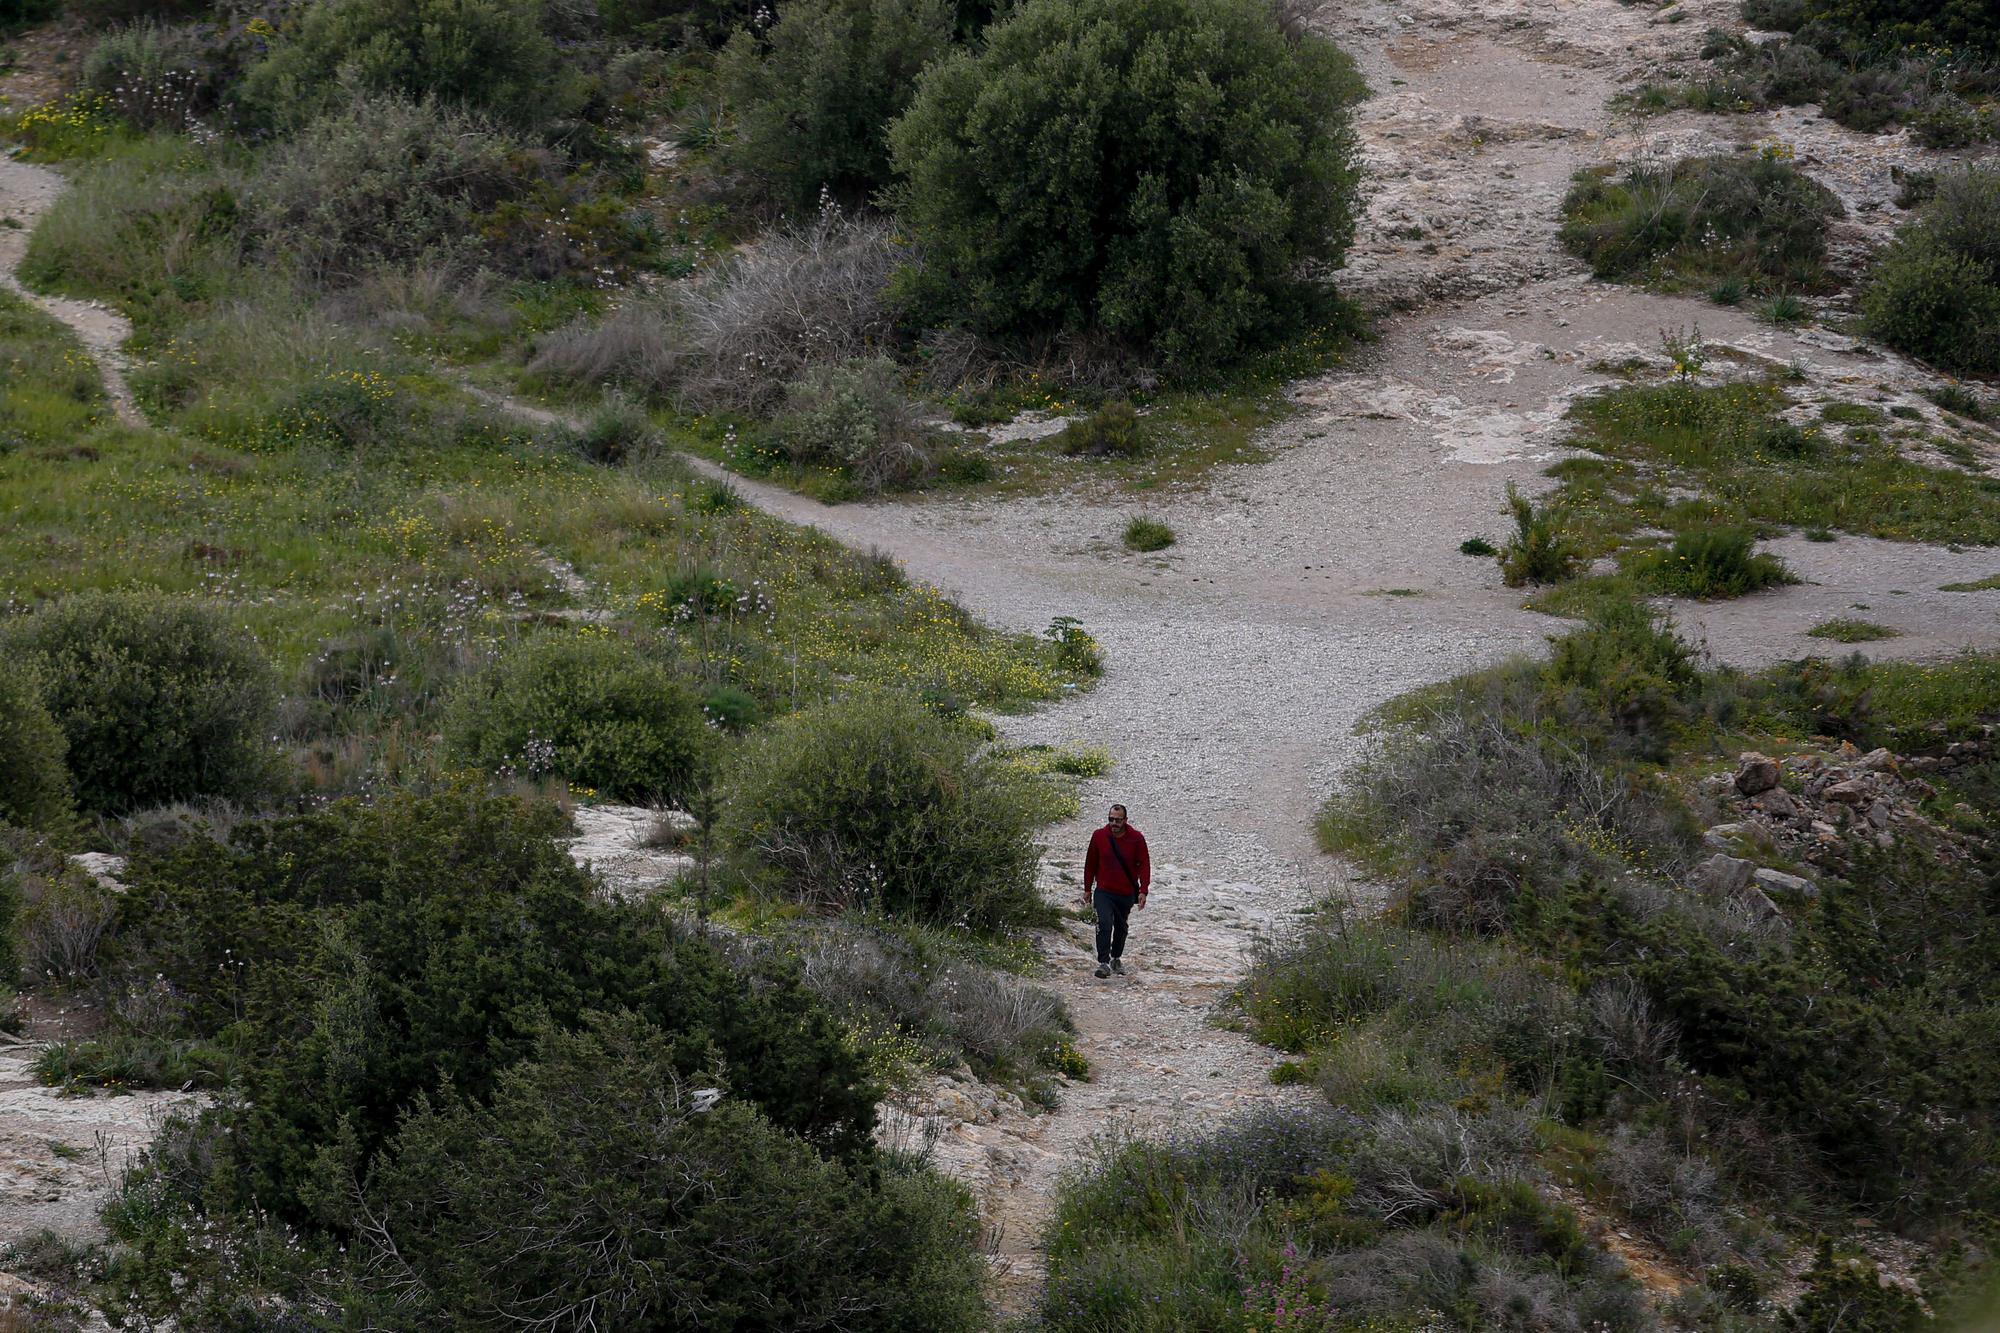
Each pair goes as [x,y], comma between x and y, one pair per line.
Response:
[158,699]
[1076,648]
[1935,292]
[585,707]
[34,783]
[381,181]
[1540,551]
[873,800]
[1148,534]
[814,96]
[1477,546]
[1712,562]
[1955,23]
[1750,219]
[360,956]
[481,55]
[857,418]
[1112,431]
[1160,171]
[671,22]
[639,1184]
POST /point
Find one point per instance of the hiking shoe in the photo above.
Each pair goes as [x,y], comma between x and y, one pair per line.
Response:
[1104,969]
[1118,967]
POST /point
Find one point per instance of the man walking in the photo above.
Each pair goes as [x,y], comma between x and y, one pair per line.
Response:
[1116,876]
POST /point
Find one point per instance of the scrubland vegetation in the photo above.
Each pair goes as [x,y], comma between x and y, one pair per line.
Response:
[330,649]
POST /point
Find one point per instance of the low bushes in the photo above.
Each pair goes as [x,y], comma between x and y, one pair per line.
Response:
[1147,534]
[654,1202]
[157,76]
[361,956]
[1935,292]
[1756,220]
[804,297]
[1163,172]
[873,800]
[1540,551]
[585,707]
[157,699]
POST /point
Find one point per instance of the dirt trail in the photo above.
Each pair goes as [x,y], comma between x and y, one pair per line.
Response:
[1305,591]
[26,192]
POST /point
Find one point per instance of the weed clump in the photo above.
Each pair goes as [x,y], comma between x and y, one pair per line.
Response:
[856,418]
[1847,629]
[1540,551]
[1147,534]
[1112,431]
[1710,563]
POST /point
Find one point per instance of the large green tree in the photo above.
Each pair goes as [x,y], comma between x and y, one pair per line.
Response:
[1173,173]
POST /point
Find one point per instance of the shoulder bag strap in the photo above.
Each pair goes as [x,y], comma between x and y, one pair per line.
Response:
[1130,878]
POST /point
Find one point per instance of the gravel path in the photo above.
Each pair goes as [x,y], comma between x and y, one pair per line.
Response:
[26,192]
[1306,591]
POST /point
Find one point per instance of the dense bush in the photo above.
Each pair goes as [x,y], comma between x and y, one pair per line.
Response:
[363,955]
[106,12]
[1757,219]
[603,1184]
[482,55]
[859,419]
[585,707]
[1958,23]
[382,180]
[158,699]
[34,783]
[815,95]
[873,800]
[1168,172]
[1935,292]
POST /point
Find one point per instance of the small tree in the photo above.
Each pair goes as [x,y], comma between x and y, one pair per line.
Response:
[34,784]
[1168,172]
[814,100]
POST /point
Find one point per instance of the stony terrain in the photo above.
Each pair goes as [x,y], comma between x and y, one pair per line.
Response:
[1307,590]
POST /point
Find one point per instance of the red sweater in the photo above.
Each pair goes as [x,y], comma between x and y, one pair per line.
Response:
[1102,871]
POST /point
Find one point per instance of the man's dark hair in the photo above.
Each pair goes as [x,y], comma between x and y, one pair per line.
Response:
[1120,809]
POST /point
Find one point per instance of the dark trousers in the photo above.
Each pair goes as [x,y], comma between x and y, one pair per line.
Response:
[1112,913]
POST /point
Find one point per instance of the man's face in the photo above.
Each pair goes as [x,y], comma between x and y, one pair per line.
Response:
[1115,821]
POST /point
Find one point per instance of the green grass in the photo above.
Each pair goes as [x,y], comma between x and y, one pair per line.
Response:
[51,394]
[1750,467]
[1846,629]
[1147,534]
[1986,584]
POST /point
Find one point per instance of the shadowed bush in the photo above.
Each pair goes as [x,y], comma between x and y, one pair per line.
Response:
[1935,292]
[814,95]
[1709,563]
[157,699]
[873,800]
[857,418]
[601,1184]
[34,783]
[382,181]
